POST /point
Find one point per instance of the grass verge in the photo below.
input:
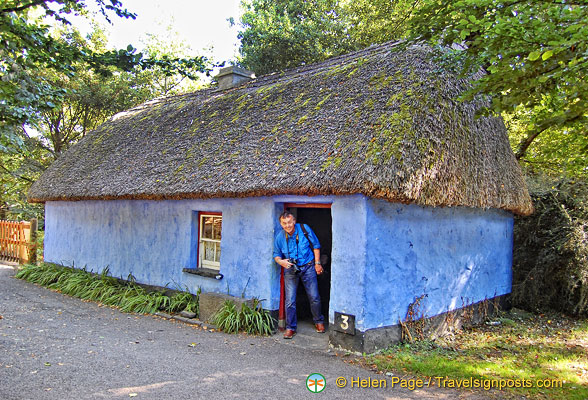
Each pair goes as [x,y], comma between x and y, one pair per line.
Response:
[103,288]
[539,349]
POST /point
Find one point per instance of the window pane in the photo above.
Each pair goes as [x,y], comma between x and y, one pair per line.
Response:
[217,259]
[208,251]
[217,228]
[209,241]
[207,229]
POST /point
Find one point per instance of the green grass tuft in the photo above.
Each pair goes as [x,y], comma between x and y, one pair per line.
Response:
[127,296]
[252,320]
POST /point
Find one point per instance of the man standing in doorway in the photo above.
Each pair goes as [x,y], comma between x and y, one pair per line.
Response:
[297,250]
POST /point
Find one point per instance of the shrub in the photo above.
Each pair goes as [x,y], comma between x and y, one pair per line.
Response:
[550,257]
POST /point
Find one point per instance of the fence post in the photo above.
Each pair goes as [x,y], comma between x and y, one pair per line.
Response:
[33,242]
[22,234]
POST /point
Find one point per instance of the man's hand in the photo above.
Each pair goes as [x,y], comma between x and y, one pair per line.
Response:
[284,263]
[319,269]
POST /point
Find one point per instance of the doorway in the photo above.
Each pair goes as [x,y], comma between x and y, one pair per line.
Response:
[318,218]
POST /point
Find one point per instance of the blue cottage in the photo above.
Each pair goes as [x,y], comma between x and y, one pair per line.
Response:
[411,193]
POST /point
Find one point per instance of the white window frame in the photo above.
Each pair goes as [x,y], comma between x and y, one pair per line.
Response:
[202,263]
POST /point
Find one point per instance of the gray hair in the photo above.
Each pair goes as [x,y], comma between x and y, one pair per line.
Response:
[286,214]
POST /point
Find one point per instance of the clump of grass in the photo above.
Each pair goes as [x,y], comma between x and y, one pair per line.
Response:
[185,301]
[253,320]
[127,296]
[517,346]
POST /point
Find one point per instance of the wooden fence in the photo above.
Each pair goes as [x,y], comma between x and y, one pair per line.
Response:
[18,241]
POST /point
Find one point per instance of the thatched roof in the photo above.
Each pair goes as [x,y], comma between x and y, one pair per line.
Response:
[381,122]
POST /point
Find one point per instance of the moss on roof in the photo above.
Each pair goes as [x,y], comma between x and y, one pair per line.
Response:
[380,122]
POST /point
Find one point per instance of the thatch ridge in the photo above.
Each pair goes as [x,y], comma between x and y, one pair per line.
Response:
[379,122]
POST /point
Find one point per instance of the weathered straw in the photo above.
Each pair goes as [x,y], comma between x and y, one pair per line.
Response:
[380,122]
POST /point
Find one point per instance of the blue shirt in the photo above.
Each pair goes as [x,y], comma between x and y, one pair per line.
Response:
[301,251]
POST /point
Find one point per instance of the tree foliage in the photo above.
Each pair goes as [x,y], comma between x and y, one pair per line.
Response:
[377,21]
[166,46]
[535,53]
[88,99]
[57,85]
[17,173]
[27,46]
[281,34]
[555,152]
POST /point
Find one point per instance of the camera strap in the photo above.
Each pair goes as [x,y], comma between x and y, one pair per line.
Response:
[288,248]
[305,234]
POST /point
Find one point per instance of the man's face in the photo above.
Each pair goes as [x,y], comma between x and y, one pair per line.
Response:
[288,224]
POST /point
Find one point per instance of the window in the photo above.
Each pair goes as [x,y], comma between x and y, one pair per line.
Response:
[209,240]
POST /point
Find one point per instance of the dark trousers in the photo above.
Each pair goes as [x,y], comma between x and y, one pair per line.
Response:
[308,277]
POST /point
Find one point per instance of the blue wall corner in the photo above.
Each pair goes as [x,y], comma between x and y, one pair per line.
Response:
[349,257]
[454,256]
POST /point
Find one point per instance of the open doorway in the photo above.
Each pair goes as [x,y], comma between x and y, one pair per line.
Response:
[318,217]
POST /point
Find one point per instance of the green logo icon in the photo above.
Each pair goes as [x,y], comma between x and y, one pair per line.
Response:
[316,383]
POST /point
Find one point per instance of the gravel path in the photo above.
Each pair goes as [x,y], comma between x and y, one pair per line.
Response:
[57,347]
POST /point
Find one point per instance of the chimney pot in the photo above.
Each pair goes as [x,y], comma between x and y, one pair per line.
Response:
[232,76]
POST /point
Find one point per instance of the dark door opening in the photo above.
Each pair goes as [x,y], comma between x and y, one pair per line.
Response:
[320,221]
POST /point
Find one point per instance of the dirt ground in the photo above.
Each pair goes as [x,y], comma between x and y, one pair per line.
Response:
[57,347]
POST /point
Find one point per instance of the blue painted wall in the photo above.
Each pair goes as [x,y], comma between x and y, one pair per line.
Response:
[349,257]
[153,241]
[456,256]
[384,254]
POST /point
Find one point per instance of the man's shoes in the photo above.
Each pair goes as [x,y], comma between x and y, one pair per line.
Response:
[289,334]
[320,328]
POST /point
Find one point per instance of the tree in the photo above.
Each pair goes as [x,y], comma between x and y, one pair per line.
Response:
[168,46]
[559,152]
[535,53]
[89,98]
[46,107]
[27,46]
[17,173]
[281,34]
[377,21]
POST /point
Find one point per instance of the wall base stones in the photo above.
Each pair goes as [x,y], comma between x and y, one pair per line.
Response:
[210,303]
[376,339]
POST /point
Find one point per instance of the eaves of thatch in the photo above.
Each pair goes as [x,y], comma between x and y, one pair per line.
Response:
[380,122]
